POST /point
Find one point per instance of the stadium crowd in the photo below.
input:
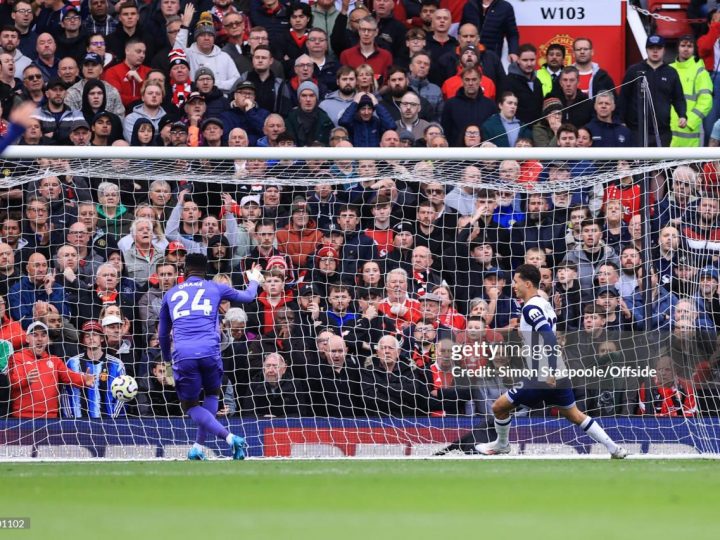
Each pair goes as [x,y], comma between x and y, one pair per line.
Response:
[370,286]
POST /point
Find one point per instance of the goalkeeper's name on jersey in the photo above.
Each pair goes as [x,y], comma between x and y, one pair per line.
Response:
[602,372]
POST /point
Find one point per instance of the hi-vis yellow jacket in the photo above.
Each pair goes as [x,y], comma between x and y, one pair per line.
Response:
[698,88]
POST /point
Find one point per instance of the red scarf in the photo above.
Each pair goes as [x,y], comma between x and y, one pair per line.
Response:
[180,92]
[299,40]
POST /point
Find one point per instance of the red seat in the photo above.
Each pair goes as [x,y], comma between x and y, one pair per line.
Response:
[677,10]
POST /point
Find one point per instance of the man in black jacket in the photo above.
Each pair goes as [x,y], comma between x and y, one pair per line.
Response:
[496,21]
[577,107]
[275,395]
[335,382]
[523,82]
[665,90]
[468,107]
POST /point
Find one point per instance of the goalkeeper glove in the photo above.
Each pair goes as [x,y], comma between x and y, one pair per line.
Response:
[255,275]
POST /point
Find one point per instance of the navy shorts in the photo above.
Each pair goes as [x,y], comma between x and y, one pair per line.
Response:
[562,397]
[192,376]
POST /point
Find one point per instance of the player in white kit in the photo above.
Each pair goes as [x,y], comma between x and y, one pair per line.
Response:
[537,327]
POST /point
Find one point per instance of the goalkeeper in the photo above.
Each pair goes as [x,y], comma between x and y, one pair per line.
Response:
[190,309]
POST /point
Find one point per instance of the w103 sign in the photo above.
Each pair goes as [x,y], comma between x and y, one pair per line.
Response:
[543,22]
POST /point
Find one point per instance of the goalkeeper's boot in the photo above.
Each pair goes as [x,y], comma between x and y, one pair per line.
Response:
[196,455]
[492,449]
[239,447]
[620,453]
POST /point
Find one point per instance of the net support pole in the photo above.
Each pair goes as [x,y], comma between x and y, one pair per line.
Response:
[645,202]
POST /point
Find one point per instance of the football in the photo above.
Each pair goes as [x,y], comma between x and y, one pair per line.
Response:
[124,388]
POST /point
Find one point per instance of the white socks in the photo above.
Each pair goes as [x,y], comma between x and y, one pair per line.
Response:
[502,428]
[229,438]
[593,429]
[197,447]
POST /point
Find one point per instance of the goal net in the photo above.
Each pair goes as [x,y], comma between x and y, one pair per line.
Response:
[387,324]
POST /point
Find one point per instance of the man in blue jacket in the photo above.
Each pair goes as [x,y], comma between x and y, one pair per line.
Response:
[244,112]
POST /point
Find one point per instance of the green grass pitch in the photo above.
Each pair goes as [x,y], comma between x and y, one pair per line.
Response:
[369,500]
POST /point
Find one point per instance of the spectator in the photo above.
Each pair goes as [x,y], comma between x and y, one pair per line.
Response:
[10,330]
[325,13]
[410,116]
[22,17]
[300,237]
[504,128]
[307,122]
[665,88]
[92,68]
[593,79]
[244,112]
[389,386]
[699,227]
[9,41]
[98,22]
[468,107]
[204,52]
[38,285]
[94,401]
[96,45]
[666,394]
[605,130]
[275,394]
[590,254]
[115,217]
[35,377]
[128,76]
[549,73]
[577,108]
[71,38]
[152,95]
[418,81]
[335,382]
[364,127]
[696,84]
[706,47]
[128,30]
[397,305]
[44,55]
[335,103]
[150,303]
[366,52]
[522,81]
[495,20]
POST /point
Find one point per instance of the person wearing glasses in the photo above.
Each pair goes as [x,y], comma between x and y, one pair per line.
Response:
[22,16]
[70,38]
[593,79]
[366,51]
[410,116]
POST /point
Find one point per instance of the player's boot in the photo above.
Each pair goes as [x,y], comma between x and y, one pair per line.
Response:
[239,446]
[492,449]
[196,455]
[620,453]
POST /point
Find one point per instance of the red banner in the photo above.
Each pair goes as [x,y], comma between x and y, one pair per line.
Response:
[543,22]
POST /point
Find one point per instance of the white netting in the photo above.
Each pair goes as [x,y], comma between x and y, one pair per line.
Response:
[332,237]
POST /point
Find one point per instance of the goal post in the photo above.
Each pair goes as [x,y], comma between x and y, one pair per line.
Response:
[388,322]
